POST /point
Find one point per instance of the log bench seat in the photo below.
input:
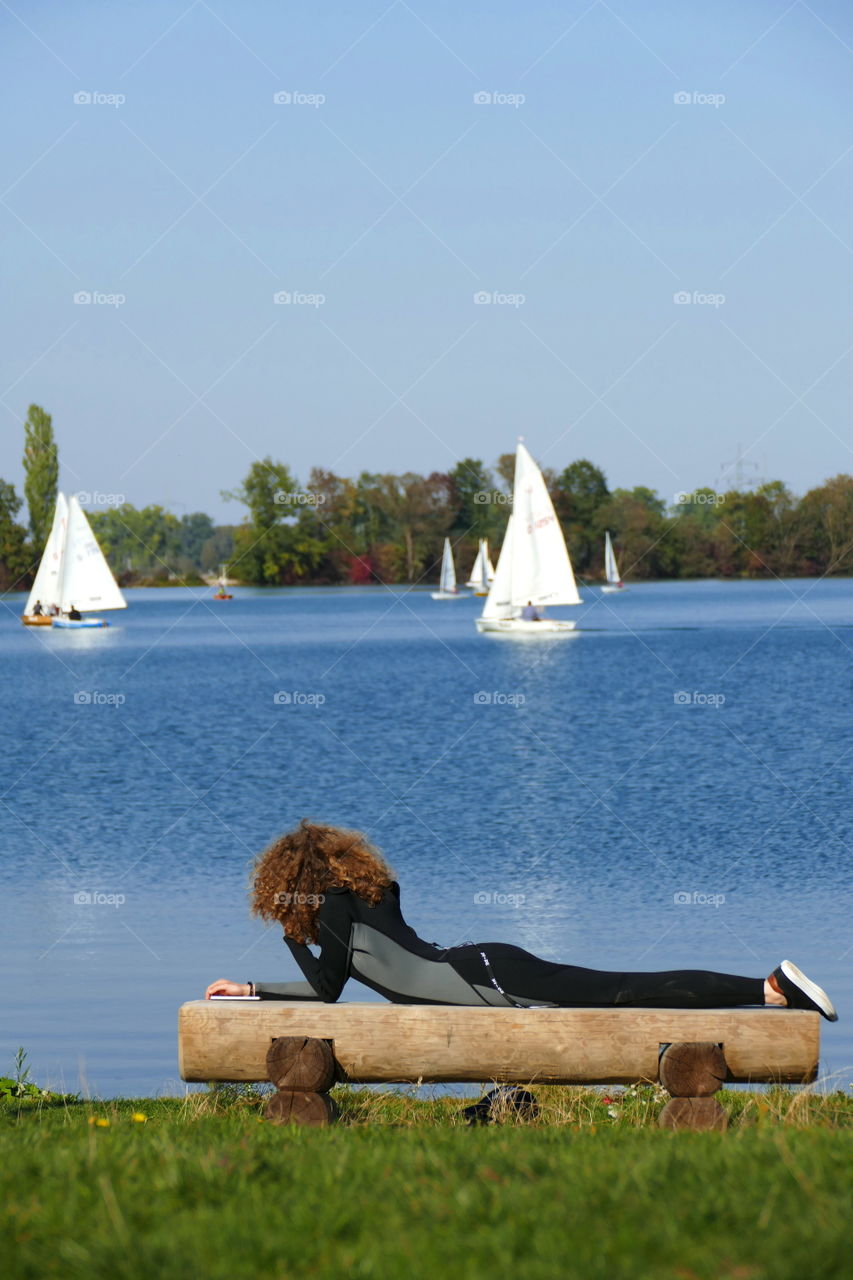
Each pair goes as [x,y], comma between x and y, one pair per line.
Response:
[304,1047]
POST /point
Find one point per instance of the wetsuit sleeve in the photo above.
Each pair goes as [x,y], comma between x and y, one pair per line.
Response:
[327,972]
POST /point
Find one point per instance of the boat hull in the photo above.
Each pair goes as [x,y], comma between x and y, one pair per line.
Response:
[219,596]
[448,595]
[76,624]
[36,620]
[608,590]
[525,627]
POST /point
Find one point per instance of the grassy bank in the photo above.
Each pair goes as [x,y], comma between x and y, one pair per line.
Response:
[202,1187]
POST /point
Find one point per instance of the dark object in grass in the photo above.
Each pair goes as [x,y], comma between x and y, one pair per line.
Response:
[502,1104]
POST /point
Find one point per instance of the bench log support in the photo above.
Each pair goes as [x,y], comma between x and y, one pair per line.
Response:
[303,1070]
[692,1073]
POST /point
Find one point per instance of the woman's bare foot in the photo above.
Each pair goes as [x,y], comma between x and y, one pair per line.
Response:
[772,996]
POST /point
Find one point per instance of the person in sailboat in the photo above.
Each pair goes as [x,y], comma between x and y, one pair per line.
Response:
[330,886]
[37,609]
[74,614]
[530,613]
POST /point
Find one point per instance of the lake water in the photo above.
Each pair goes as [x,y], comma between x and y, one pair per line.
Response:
[670,786]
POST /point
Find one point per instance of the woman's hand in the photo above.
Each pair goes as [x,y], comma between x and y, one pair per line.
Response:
[225,988]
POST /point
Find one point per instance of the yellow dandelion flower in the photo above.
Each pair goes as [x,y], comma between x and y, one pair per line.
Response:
[139,1117]
[102,1122]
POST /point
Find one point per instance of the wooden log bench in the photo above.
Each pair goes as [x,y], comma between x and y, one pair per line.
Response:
[305,1047]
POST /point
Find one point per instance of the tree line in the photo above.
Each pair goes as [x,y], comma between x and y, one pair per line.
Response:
[383,527]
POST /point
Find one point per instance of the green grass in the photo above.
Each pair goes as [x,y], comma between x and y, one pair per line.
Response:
[401,1187]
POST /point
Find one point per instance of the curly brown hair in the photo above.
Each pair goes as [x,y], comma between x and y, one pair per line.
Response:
[290,877]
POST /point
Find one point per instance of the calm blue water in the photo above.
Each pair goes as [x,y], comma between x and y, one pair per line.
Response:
[693,739]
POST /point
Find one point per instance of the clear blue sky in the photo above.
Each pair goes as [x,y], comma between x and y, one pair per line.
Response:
[398,198]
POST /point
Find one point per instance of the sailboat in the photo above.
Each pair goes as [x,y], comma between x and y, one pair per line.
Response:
[223,593]
[611,571]
[482,575]
[73,577]
[447,588]
[534,569]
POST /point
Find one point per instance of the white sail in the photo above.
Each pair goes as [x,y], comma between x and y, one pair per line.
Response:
[541,569]
[478,573]
[490,568]
[483,571]
[611,570]
[534,564]
[448,571]
[87,580]
[46,587]
[499,600]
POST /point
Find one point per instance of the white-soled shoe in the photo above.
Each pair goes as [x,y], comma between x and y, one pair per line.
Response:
[800,991]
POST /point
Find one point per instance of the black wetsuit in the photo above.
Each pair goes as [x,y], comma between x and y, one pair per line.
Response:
[377,947]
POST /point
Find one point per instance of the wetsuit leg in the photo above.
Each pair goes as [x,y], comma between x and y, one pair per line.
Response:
[570,986]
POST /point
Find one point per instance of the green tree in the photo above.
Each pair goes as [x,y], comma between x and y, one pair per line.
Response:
[471,496]
[218,549]
[827,526]
[641,531]
[330,517]
[271,546]
[505,467]
[41,467]
[14,558]
[693,524]
[579,492]
[196,529]
[139,542]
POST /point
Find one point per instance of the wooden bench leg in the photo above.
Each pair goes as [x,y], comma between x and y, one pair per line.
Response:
[691,1073]
[303,1071]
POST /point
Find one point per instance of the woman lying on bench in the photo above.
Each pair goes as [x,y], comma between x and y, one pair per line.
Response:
[330,886]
